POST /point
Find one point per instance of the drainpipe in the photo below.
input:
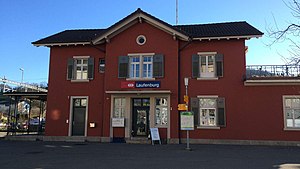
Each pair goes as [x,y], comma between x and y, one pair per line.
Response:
[179,81]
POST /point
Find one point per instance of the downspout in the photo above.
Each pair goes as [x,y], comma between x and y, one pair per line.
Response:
[179,81]
[103,99]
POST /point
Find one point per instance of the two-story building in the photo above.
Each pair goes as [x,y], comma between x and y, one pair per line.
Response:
[120,81]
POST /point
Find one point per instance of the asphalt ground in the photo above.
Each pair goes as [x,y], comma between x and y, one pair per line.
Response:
[48,155]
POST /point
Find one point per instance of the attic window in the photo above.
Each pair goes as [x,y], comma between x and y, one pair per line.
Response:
[141,40]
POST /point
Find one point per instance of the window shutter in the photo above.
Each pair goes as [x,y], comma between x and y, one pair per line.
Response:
[123,66]
[195,109]
[90,68]
[221,112]
[219,65]
[70,69]
[195,66]
[158,65]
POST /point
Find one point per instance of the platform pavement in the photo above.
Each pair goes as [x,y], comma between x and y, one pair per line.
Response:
[48,155]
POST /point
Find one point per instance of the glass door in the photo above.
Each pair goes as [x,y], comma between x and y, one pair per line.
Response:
[140,121]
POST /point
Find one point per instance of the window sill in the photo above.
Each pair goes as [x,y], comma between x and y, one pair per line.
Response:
[207,78]
[78,81]
[140,79]
[208,127]
[161,126]
[292,129]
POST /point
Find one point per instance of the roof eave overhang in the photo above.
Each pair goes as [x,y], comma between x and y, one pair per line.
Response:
[61,44]
[228,37]
[138,17]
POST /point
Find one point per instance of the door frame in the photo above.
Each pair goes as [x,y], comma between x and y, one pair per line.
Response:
[134,115]
[71,113]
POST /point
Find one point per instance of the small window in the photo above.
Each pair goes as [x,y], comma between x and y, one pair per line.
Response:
[80,68]
[119,108]
[292,112]
[207,65]
[102,65]
[161,111]
[141,40]
[209,111]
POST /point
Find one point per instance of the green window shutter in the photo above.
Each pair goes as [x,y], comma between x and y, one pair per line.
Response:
[158,66]
[219,65]
[195,109]
[123,66]
[70,69]
[195,66]
[90,68]
[221,112]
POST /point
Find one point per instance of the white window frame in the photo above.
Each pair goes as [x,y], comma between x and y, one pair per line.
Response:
[205,74]
[285,108]
[199,126]
[120,107]
[82,65]
[161,106]
[141,64]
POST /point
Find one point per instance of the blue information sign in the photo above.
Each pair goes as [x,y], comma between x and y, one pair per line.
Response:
[147,84]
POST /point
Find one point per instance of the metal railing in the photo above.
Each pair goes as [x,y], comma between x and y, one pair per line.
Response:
[272,71]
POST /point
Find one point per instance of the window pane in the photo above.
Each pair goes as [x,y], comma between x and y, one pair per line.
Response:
[77,102]
[295,103]
[207,117]
[137,102]
[203,63]
[210,64]
[119,108]
[161,111]
[78,61]
[208,103]
[137,71]
[288,103]
[83,102]
[85,61]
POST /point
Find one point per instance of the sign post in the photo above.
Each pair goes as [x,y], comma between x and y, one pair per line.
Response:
[187,123]
[187,117]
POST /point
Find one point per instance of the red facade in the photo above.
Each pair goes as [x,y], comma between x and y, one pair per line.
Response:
[251,112]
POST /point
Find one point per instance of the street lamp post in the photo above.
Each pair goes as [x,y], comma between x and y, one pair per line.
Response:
[186,83]
[22,70]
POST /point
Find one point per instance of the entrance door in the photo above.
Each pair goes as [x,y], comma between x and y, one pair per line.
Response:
[79,114]
[140,114]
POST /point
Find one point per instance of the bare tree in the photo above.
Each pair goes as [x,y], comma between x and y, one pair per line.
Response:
[290,33]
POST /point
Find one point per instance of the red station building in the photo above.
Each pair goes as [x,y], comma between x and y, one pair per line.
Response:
[116,83]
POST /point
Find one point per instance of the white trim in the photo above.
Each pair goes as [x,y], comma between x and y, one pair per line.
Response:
[207,53]
[228,37]
[140,79]
[291,129]
[71,113]
[207,78]
[148,20]
[81,57]
[141,36]
[284,114]
[272,82]
[207,96]
[62,44]
[139,54]
[209,127]
[79,80]
[139,92]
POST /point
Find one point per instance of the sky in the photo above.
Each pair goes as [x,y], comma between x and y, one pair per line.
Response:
[23,22]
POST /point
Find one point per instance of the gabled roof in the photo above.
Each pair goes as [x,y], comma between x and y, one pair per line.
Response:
[139,16]
[184,32]
[71,37]
[220,30]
